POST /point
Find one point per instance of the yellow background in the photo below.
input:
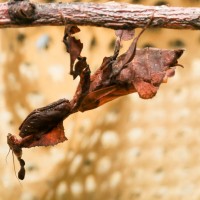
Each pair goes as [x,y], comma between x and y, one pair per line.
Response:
[128,149]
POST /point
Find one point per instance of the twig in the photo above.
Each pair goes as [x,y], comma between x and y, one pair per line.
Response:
[110,15]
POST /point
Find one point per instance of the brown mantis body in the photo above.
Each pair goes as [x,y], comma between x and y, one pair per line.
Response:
[137,70]
[48,119]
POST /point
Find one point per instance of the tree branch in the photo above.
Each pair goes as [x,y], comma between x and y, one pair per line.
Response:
[110,15]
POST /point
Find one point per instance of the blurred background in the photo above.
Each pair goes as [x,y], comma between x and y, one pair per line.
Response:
[125,150]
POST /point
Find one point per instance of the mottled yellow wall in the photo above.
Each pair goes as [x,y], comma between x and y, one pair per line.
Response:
[129,149]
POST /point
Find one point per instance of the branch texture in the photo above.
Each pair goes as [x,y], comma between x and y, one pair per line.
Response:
[110,15]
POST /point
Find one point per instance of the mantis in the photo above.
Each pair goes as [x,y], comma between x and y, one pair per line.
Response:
[136,70]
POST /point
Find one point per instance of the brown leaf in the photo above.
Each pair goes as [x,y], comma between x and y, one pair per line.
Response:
[73,46]
[79,66]
[148,70]
[55,136]
[128,56]
[43,120]
[145,90]
[143,74]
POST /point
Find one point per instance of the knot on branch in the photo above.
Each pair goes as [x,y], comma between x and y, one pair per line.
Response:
[21,11]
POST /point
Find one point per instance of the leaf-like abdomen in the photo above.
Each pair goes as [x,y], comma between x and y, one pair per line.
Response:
[44,119]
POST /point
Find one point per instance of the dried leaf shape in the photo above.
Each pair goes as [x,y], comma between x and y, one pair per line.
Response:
[73,47]
[141,70]
[137,70]
[142,75]
[80,66]
[53,137]
[43,120]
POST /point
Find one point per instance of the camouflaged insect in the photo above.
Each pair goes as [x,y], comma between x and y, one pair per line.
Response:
[137,70]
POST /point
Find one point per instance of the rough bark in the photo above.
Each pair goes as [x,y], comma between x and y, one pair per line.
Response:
[110,15]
